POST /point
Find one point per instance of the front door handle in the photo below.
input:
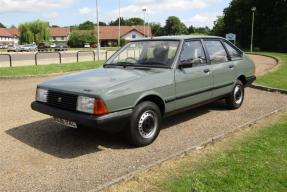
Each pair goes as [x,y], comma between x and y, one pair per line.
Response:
[231,66]
[206,70]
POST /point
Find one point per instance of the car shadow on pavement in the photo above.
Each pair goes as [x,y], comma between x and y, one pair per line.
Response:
[64,142]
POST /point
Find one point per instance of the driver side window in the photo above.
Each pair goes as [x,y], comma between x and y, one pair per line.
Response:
[193,54]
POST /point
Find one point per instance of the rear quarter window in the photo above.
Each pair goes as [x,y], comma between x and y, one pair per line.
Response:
[233,52]
[216,51]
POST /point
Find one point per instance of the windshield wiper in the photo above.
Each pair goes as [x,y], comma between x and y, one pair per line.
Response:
[123,64]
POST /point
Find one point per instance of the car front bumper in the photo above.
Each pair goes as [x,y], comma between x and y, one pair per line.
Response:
[111,122]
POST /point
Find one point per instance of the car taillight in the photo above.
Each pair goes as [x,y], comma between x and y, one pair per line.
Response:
[100,107]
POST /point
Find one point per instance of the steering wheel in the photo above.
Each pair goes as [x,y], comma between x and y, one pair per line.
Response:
[130,60]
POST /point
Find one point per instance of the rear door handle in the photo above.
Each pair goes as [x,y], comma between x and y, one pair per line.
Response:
[231,66]
[206,70]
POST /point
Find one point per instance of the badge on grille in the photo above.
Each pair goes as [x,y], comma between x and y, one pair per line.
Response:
[59,99]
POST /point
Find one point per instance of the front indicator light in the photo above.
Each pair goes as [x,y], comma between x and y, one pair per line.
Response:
[100,107]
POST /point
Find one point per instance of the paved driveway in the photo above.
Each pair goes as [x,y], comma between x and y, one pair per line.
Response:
[37,154]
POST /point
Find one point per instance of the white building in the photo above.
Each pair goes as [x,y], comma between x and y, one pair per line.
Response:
[9,36]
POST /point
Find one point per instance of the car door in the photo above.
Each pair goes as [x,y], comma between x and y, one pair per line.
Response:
[221,66]
[193,83]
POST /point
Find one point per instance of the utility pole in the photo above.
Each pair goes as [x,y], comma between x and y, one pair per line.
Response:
[144,10]
[253,9]
[98,32]
[119,38]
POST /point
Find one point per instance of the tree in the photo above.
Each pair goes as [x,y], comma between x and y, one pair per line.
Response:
[191,29]
[116,22]
[218,28]
[36,31]
[270,29]
[135,21]
[156,29]
[202,30]
[87,25]
[2,26]
[174,26]
[101,23]
[80,38]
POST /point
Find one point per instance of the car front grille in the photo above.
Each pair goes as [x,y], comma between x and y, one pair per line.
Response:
[62,100]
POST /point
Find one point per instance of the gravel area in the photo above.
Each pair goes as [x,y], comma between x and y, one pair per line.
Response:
[39,155]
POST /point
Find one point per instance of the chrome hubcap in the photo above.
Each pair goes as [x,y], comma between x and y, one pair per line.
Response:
[147,124]
[238,94]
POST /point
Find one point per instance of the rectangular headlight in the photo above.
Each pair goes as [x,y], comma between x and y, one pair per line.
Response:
[41,95]
[85,104]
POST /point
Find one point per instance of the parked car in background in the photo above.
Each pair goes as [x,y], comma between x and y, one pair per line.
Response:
[87,45]
[147,80]
[13,48]
[61,47]
[44,47]
[53,45]
[28,47]
[4,46]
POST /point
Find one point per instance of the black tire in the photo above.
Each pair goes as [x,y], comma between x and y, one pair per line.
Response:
[236,97]
[145,124]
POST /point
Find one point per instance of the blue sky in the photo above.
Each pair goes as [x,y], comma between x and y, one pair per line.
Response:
[70,12]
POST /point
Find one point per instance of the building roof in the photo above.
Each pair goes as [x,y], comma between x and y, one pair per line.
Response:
[13,31]
[112,32]
[5,33]
[60,31]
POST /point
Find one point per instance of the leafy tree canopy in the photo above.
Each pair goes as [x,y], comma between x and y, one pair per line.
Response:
[2,25]
[270,26]
[87,25]
[81,37]
[174,26]
[36,31]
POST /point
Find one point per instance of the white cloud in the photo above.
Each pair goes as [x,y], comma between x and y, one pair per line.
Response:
[161,6]
[52,15]
[86,10]
[203,19]
[31,5]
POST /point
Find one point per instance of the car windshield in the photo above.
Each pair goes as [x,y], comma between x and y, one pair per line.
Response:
[145,54]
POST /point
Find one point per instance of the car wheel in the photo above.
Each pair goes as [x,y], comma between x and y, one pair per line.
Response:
[145,124]
[236,97]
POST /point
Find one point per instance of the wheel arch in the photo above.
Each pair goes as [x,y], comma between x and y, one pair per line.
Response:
[243,79]
[153,98]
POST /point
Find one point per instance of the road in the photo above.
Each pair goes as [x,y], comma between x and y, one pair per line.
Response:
[39,155]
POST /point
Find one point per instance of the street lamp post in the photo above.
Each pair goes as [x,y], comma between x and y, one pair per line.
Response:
[98,32]
[253,9]
[144,10]
[119,38]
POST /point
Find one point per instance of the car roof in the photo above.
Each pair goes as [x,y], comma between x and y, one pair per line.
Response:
[179,37]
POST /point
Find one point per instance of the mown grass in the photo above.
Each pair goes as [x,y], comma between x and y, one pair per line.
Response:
[257,163]
[47,69]
[278,78]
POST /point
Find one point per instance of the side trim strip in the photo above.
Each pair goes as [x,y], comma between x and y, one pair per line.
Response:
[196,93]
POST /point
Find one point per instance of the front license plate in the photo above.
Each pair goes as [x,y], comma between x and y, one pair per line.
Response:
[66,122]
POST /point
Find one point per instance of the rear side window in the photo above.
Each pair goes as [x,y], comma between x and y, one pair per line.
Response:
[216,51]
[193,53]
[233,53]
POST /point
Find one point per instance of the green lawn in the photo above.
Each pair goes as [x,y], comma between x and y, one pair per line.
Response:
[256,163]
[47,69]
[278,78]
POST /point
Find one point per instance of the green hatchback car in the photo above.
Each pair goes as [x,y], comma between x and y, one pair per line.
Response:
[145,81]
